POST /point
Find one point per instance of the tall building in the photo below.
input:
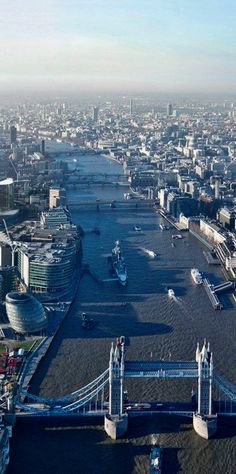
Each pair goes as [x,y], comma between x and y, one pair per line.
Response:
[55,218]
[43,147]
[9,277]
[6,194]
[131,107]
[95,113]
[57,197]
[47,268]
[169,109]
[5,255]
[13,134]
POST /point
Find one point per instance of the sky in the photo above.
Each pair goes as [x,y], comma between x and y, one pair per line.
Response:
[118,46]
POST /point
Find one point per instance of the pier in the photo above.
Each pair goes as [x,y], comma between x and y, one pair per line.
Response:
[210,290]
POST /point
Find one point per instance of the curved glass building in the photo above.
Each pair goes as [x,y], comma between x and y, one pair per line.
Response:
[25,313]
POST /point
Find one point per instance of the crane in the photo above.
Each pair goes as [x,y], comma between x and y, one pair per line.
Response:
[7,239]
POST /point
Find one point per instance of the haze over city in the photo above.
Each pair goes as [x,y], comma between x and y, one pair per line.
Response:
[109,46]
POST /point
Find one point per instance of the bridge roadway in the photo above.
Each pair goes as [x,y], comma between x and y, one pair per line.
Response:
[161,369]
[130,203]
[223,408]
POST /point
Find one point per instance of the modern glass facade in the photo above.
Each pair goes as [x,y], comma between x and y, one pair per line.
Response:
[6,194]
[25,313]
[47,276]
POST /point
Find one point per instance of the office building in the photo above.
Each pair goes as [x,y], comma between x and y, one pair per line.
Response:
[48,268]
[5,255]
[227,217]
[13,134]
[6,194]
[43,147]
[169,110]
[57,197]
[95,114]
[9,277]
[55,218]
[131,107]
[25,313]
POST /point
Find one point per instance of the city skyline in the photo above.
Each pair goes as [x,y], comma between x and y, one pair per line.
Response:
[102,46]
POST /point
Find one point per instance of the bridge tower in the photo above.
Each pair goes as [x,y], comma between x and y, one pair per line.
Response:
[116,422]
[204,422]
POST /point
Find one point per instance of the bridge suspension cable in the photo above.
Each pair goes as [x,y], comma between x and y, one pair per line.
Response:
[67,398]
[228,388]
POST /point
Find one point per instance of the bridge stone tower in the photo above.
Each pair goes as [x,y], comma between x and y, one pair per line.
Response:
[116,422]
[204,422]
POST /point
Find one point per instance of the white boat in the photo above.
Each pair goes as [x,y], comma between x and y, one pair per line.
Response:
[171,293]
[177,236]
[151,253]
[163,227]
[196,276]
[137,228]
[128,196]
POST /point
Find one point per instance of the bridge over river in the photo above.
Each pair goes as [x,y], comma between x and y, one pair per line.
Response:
[91,400]
[108,204]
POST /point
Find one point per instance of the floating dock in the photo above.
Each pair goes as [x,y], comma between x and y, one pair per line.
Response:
[210,290]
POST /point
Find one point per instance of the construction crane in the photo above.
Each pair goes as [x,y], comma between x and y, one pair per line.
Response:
[7,239]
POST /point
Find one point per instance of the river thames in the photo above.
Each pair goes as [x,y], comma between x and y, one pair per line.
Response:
[154,326]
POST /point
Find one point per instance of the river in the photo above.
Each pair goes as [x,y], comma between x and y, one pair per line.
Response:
[154,325]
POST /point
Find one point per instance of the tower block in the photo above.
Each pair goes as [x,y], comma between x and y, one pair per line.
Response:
[116,421]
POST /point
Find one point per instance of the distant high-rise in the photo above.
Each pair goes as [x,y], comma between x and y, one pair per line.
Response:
[95,113]
[6,194]
[13,134]
[43,147]
[169,109]
[131,107]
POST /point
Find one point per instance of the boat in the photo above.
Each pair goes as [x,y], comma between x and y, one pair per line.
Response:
[196,276]
[177,236]
[171,293]
[155,459]
[151,253]
[118,264]
[137,228]
[163,227]
[128,196]
[87,323]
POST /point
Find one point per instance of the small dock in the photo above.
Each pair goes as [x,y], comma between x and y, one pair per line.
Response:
[210,290]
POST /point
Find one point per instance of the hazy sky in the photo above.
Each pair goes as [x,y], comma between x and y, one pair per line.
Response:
[120,45]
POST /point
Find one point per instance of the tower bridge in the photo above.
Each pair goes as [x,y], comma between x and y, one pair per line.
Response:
[90,400]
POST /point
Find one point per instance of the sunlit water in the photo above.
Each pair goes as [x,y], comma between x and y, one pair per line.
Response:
[154,325]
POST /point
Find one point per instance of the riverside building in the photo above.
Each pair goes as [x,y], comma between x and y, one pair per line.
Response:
[25,313]
[55,218]
[47,268]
